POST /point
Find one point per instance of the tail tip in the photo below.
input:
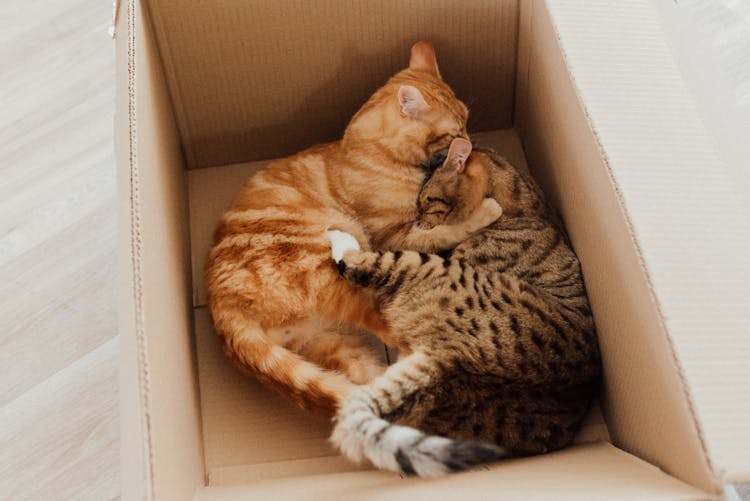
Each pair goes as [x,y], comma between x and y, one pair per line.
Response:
[453,457]
[465,455]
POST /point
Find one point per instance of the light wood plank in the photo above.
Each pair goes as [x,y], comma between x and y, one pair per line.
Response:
[56,440]
[59,430]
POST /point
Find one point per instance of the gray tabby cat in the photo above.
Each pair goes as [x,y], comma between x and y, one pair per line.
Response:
[497,342]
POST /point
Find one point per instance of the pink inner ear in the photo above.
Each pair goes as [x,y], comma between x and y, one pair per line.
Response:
[423,58]
[411,101]
[459,152]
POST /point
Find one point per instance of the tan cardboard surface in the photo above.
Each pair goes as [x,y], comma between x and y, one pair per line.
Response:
[715,83]
[161,444]
[257,79]
[244,474]
[593,471]
[212,190]
[133,448]
[647,402]
[729,128]
[684,209]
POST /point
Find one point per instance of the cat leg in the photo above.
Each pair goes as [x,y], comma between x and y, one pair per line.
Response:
[363,431]
[341,242]
[334,346]
[356,305]
[352,353]
[383,272]
[363,268]
[253,348]
[381,276]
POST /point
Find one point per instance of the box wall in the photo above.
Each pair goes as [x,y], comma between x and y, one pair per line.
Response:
[645,400]
[722,282]
[162,453]
[687,215]
[256,95]
[714,79]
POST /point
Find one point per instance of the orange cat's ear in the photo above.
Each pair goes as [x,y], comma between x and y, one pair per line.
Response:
[423,58]
[458,154]
[411,101]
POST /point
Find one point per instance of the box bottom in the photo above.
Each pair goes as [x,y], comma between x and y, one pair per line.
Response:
[589,471]
[251,434]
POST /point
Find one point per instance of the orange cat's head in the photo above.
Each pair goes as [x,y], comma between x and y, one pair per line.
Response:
[412,116]
[456,188]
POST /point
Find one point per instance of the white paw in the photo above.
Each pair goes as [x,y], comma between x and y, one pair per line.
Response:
[487,213]
[492,207]
[341,243]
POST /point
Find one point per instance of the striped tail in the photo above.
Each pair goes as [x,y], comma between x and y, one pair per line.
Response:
[361,432]
[310,386]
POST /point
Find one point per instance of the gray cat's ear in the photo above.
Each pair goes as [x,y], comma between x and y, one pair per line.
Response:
[423,58]
[458,154]
[411,101]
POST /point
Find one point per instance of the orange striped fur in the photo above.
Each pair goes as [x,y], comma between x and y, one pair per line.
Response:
[275,297]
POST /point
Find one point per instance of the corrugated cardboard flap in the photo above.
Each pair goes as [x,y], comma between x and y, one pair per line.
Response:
[161,452]
[684,214]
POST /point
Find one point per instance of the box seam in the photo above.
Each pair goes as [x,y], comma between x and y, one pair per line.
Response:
[698,430]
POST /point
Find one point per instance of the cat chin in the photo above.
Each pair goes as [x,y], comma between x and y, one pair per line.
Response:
[341,243]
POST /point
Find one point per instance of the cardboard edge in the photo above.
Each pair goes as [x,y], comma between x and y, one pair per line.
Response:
[136,461]
[151,464]
[715,477]
[591,471]
[707,82]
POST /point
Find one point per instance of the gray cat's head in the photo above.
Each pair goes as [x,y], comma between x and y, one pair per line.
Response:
[455,189]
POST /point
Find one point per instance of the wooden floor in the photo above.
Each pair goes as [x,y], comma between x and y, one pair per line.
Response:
[58,340]
[59,426]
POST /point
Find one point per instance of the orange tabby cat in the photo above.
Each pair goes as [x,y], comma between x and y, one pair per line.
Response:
[275,298]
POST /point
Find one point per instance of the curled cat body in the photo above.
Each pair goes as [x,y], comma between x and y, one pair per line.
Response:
[501,357]
[275,298]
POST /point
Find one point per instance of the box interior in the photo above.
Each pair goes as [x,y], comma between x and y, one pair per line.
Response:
[241,424]
[213,103]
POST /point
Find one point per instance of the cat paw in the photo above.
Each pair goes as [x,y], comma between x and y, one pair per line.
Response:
[341,243]
[488,212]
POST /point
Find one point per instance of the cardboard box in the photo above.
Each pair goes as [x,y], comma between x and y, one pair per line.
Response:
[587,94]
